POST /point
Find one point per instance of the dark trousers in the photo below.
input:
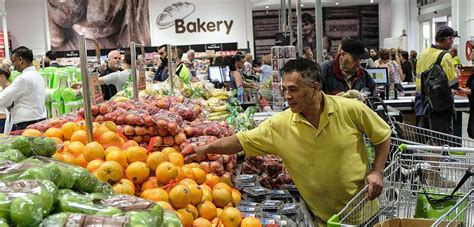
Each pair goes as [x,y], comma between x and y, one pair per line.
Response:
[23,125]
[441,121]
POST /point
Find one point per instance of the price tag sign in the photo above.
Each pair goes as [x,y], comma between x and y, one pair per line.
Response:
[141,79]
[96,91]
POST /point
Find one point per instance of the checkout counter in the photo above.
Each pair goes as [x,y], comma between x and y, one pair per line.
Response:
[406,106]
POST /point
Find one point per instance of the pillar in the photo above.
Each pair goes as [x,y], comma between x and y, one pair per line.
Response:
[399,16]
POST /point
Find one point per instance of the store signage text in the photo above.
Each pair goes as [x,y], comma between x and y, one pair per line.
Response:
[203,26]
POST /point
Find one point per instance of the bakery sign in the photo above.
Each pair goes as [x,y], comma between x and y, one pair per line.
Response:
[177,15]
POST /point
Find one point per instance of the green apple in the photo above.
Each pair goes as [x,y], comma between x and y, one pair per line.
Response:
[84,181]
[22,144]
[27,210]
[48,194]
[140,218]
[53,171]
[157,212]
[170,219]
[66,180]
[4,206]
[13,155]
[35,173]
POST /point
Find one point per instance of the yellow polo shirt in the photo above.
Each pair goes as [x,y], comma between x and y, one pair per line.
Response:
[428,58]
[328,164]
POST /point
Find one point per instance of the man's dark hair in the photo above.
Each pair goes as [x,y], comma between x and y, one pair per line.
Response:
[384,54]
[24,53]
[179,53]
[306,17]
[127,58]
[404,55]
[310,71]
[232,60]
[164,45]
[51,55]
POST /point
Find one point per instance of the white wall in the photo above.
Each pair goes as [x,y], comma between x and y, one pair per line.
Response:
[385,21]
[413,28]
[26,22]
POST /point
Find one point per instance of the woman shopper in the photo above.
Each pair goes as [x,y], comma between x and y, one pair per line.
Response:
[237,82]
[385,61]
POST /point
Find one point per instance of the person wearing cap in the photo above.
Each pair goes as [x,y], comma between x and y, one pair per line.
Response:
[454,53]
[320,140]
[438,121]
[344,72]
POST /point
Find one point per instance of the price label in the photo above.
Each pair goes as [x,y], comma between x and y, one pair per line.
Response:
[141,79]
[96,91]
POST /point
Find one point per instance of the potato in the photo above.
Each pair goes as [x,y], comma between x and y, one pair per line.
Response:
[128,130]
[120,120]
[162,132]
[149,121]
[138,139]
[168,141]
[179,138]
[140,131]
[152,131]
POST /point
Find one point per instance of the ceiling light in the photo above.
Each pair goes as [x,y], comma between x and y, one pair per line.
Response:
[302,5]
[371,1]
[266,7]
[337,3]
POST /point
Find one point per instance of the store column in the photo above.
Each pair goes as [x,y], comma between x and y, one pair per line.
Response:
[399,17]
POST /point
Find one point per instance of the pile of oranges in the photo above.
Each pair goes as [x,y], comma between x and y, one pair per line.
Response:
[199,198]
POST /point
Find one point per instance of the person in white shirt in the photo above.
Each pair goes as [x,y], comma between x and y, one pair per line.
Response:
[119,78]
[26,94]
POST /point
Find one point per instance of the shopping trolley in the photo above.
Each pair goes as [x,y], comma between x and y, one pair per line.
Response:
[414,168]
[461,212]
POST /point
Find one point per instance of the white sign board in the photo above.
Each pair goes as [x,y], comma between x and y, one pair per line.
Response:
[397,42]
[198,22]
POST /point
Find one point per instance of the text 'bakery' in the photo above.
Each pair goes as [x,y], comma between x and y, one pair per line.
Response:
[203,26]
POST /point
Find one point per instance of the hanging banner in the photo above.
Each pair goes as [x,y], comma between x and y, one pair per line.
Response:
[342,28]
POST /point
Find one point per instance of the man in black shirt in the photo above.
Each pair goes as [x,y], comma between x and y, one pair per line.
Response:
[162,71]
[113,65]
[406,67]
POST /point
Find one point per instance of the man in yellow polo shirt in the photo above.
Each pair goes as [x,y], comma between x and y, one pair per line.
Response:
[320,140]
[438,121]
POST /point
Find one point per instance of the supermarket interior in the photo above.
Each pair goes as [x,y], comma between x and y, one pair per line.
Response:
[228,113]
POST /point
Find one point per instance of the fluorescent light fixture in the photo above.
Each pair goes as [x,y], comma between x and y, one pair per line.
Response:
[266,7]
[371,1]
[337,3]
[302,5]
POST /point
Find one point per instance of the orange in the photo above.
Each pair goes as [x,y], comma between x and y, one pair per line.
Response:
[69,158]
[180,196]
[110,138]
[155,194]
[235,197]
[76,148]
[196,193]
[180,176]
[124,186]
[186,217]
[231,217]
[129,143]
[54,133]
[199,175]
[110,172]
[59,156]
[176,158]
[59,143]
[221,196]
[206,195]
[251,222]
[207,210]
[98,130]
[111,148]
[137,172]
[150,183]
[68,129]
[156,158]
[205,186]
[66,145]
[165,172]
[136,154]
[118,156]
[110,125]
[169,150]
[81,161]
[165,205]
[222,185]
[193,165]
[80,136]
[31,132]
[219,212]
[82,124]
[217,222]
[94,165]
[201,222]
[93,151]
[211,179]
[193,210]
[188,173]
[187,182]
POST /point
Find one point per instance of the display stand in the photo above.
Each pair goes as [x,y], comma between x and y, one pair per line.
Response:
[86,83]
[137,82]
[172,52]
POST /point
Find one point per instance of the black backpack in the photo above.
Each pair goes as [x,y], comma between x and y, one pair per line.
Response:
[435,90]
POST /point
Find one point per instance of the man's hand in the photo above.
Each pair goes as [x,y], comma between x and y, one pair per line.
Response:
[194,153]
[375,182]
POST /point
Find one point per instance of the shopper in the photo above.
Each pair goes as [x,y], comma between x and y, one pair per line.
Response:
[326,55]
[367,61]
[413,55]
[407,68]
[312,136]
[113,65]
[395,60]
[374,54]
[4,76]
[265,70]
[468,91]
[441,121]
[386,61]
[26,95]
[308,53]
[120,78]
[188,60]
[182,71]
[50,59]
[161,73]
[248,65]
[454,53]
[237,83]
[344,72]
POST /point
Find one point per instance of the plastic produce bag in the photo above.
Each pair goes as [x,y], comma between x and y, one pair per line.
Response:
[26,202]
[29,146]
[79,220]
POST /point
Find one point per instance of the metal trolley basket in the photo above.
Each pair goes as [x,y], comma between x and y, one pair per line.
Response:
[413,168]
[459,212]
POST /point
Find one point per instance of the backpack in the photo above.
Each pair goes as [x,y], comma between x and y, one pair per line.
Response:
[435,90]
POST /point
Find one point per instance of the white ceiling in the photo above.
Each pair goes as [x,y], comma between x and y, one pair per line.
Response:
[275,4]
